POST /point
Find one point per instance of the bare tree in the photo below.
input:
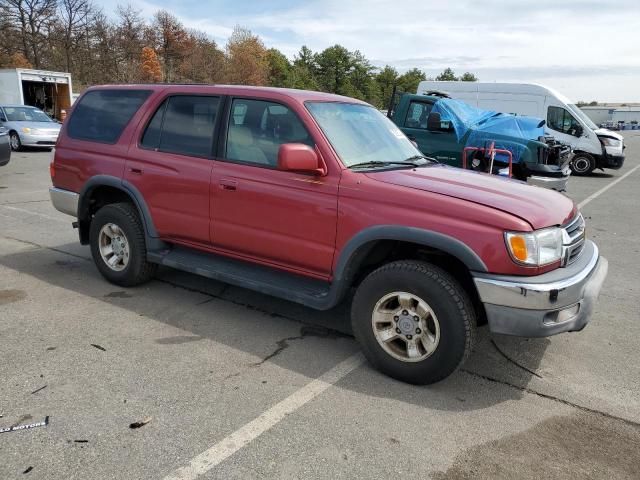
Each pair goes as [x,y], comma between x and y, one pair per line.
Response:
[130,30]
[32,19]
[73,17]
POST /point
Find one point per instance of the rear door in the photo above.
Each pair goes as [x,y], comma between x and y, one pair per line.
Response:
[171,163]
[282,218]
[441,144]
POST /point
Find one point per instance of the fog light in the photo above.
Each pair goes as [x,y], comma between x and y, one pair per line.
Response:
[561,316]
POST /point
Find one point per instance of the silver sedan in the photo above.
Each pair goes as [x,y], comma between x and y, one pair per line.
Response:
[28,126]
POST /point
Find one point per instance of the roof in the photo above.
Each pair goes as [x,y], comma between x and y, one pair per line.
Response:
[15,105]
[259,92]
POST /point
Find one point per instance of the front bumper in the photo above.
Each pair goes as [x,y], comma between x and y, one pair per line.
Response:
[31,140]
[558,301]
[64,201]
[611,161]
[554,183]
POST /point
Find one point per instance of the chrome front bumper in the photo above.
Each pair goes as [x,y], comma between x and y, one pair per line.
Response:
[31,140]
[558,301]
[64,201]
[554,183]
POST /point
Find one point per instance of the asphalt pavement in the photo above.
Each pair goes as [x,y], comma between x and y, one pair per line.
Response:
[224,383]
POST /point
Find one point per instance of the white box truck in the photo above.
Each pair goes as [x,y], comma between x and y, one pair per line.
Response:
[48,91]
[593,147]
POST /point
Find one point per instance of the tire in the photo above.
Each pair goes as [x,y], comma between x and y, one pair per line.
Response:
[14,141]
[118,226]
[583,164]
[448,328]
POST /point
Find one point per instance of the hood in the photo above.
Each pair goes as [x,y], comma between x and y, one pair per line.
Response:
[52,126]
[603,132]
[540,207]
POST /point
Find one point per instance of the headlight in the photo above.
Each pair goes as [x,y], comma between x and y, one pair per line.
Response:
[610,142]
[535,248]
[26,130]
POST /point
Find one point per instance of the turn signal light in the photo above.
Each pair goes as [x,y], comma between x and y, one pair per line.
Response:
[52,170]
[519,248]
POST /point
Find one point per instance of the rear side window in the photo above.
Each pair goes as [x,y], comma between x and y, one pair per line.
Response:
[102,115]
[183,124]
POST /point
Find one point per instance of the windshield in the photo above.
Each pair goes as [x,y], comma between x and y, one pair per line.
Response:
[360,133]
[582,116]
[26,114]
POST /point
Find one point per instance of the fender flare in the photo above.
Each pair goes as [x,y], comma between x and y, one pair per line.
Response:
[357,248]
[125,187]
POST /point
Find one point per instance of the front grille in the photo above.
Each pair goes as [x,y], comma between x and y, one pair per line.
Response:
[573,240]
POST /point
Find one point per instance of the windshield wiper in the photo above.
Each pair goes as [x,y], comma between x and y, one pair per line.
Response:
[420,160]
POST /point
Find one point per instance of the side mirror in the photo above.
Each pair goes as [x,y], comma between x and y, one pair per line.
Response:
[298,157]
[433,122]
[579,130]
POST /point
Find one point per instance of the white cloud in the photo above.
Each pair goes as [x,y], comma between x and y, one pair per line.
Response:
[586,48]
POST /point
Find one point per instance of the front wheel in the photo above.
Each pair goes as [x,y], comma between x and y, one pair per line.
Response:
[118,245]
[14,140]
[583,164]
[413,321]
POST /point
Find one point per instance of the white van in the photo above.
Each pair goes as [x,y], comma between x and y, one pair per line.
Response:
[593,147]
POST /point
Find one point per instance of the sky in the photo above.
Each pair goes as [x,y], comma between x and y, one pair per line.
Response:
[586,49]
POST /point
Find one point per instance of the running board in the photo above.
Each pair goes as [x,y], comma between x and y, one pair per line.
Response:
[295,288]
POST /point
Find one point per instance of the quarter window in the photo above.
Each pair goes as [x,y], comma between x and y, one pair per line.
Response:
[183,124]
[102,115]
[257,129]
[561,120]
[417,115]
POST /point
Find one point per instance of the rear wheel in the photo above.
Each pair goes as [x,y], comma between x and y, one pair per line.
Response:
[14,140]
[414,321]
[118,245]
[583,164]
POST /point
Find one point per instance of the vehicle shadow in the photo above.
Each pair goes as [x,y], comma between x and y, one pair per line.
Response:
[499,369]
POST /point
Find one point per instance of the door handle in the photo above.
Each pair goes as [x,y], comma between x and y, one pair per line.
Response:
[227,184]
[137,171]
[411,137]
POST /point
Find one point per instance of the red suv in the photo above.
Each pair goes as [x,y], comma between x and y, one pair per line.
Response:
[307,196]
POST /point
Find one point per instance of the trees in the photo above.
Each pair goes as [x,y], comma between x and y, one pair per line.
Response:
[150,66]
[468,77]
[246,58]
[77,36]
[447,75]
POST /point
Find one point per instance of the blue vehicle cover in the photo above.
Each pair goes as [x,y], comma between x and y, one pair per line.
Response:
[482,126]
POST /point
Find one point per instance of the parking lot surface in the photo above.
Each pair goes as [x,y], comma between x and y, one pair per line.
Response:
[230,384]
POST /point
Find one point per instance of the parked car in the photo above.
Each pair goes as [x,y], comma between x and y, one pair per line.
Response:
[307,196]
[5,148]
[444,128]
[28,127]
[594,147]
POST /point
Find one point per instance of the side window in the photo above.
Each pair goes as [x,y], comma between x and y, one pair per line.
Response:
[183,124]
[561,120]
[151,137]
[417,115]
[102,115]
[257,128]
[3,118]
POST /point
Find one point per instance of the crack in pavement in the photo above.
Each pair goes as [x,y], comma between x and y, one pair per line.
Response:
[33,244]
[513,361]
[550,397]
[26,201]
[283,344]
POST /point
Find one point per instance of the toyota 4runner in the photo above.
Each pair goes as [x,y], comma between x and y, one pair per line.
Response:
[307,196]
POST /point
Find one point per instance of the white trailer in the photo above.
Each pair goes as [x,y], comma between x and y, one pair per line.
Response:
[48,91]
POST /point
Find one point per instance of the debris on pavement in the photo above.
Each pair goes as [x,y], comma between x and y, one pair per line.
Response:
[14,428]
[140,424]
[38,389]
[28,470]
[98,347]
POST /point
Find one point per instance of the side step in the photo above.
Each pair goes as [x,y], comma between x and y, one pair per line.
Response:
[295,288]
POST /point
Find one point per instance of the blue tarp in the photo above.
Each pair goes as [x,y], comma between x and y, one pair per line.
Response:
[483,126]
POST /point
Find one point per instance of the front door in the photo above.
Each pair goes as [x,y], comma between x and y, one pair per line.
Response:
[442,145]
[171,166]
[280,218]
